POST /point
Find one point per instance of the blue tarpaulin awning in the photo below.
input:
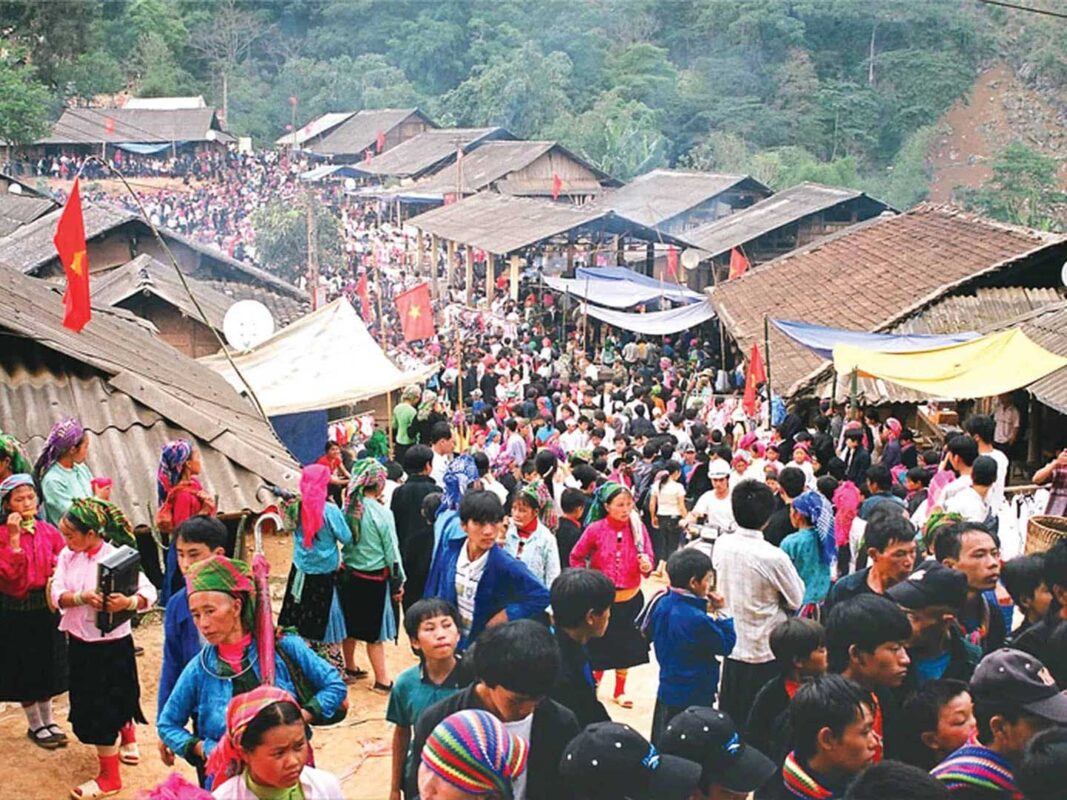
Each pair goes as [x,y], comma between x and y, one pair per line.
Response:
[656,323]
[624,274]
[147,149]
[821,339]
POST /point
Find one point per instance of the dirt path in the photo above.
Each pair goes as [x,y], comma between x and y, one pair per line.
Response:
[356,750]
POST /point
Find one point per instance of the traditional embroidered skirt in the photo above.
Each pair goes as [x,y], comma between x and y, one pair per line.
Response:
[370,613]
[33,658]
[312,606]
[104,690]
[622,646]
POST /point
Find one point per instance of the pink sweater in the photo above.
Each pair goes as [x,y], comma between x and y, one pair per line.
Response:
[21,573]
[608,546]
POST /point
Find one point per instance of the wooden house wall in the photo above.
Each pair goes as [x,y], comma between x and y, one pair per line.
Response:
[536,177]
[183,333]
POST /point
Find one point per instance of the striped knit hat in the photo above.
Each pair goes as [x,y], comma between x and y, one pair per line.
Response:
[473,751]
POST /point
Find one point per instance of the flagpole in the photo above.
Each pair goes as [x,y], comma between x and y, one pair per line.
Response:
[767,349]
[385,351]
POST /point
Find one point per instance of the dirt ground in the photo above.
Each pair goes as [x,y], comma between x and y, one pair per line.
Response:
[356,750]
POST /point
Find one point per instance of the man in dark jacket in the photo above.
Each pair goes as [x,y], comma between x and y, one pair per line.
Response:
[581,608]
[857,458]
[413,531]
[516,664]
[1047,639]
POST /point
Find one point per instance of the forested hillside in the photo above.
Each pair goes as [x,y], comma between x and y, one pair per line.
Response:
[842,91]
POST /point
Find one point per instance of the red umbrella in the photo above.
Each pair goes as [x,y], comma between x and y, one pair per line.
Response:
[264,615]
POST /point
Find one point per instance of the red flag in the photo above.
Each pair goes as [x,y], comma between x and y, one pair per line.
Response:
[380,141]
[738,264]
[557,186]
[70,244]
[672,262]
[755,374]
[361,290]
[109,126]
[416,313]
[367,156]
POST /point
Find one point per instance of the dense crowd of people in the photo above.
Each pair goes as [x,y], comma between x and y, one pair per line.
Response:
[825,597]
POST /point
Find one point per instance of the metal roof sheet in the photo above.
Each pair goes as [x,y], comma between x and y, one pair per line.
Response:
[316,127]
[422,153]
[135,125]
[359,132]
[662,194]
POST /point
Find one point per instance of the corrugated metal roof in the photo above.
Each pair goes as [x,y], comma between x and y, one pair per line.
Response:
[17,210]
[135,125]
[422,153]
[166,103]
[869,277]
[316,127]
[284,309]
[145,275]
[502,224]
[662,194]
[776,211]
[117,377]
[359,132]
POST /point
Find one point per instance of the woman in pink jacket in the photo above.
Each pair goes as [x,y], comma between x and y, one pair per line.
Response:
[617,544]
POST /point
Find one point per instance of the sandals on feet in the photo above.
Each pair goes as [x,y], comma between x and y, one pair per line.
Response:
[47,741]
[382,688]
[91,789]
[130,754]
[353,675]
[623,701]
[57,734]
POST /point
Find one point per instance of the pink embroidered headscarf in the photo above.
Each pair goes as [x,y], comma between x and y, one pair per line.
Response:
[314,481]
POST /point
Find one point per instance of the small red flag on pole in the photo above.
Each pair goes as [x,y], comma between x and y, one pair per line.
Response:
[367,156]
[557,186]
[379,140]
[361,290]
[755,374]
[672,262]
[109,126]
[70,244]
[416,313]
[738,264]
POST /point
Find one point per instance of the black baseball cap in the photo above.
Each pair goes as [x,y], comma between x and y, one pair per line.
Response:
[612,761]
[1014,678]
[932,584]
[711,739]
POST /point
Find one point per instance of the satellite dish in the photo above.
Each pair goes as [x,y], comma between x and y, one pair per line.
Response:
[14,188]
[1063,273]
[247,324]
[350,184]
[691,258]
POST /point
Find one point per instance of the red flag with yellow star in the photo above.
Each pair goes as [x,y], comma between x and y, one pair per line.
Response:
[70,244]
[416,313]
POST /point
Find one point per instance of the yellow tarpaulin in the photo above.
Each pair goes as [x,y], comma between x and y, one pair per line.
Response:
[991,365]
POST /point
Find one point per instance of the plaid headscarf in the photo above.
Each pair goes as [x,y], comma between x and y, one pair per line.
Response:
[172,460]
[221,574]
[366,473]
[103,517]
[64,435]
[540,496]
[10,448]
[598,509]
[460,474]
[473,751]
[820,512]
[225,760]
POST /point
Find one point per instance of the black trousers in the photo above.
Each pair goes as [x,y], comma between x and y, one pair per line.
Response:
[740,684]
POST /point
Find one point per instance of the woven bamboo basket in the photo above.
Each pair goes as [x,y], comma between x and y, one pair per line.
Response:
[1043,532]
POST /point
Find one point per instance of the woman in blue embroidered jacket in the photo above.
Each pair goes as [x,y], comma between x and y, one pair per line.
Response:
[222,602]
[488,586]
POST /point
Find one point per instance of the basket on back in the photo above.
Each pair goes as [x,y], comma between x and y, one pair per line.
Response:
[1042,532]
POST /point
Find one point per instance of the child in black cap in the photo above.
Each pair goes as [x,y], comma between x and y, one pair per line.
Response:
[933,598]
[612,761]
[1015,698]
[731,768]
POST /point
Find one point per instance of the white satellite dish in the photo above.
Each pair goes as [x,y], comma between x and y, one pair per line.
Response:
[691,258]
[350,184]
[14,188]
[247,324]
[1063,273]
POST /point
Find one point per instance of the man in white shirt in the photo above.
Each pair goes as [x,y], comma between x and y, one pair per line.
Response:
[962,451]
[1006,419]
[573,439]
[442,445]
[972,503]
[761,587]
[981,429]
[714,507]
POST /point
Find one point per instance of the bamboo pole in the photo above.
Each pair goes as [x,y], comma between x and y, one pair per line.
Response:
[433,266]
[385,350]
[514,277]
[767,358]
[450,269]
[468,282]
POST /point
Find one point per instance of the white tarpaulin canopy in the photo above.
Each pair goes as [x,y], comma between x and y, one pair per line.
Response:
[616,293]
[323,360]
[655,323]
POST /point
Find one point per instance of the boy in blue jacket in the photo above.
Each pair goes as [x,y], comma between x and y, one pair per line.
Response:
[196,539]
[687,637]
[488,586]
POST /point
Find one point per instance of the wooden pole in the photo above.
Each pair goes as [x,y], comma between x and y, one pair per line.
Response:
[490,276]
[433,266]
[767,358]
[468,281]
[419,242]
[514,277]
[385,350]
[450,269]
[313,251]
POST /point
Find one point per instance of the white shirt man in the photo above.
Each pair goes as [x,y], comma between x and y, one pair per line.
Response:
[1006,418]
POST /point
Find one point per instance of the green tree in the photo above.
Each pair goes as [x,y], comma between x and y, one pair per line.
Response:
[619,136]
[907,179]
[282,238]
[1022,189]
[92,73]
[24,102]
[156,70]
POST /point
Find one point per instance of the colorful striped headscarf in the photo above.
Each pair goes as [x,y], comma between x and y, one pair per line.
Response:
[820,512]
[473,751]
[103,517]
[225,760]
[172,459]
[12,482]
[64,435]
[366,473]
[598,509]
[937,520]
[314,482]
[10,448]
[502,464]
[459,475]
[411,394]
[222,574]
[893,428]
